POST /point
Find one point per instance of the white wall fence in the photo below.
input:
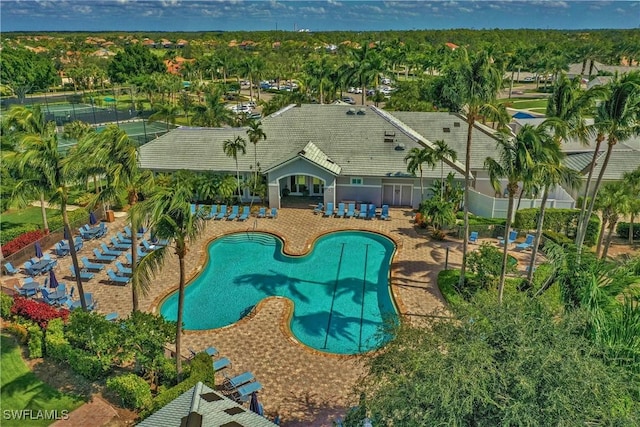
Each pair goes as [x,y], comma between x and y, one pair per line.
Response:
[492,207]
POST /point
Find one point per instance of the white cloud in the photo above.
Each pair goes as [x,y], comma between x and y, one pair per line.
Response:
[465,9]
[84,10]
[314,10]
[334,2]
[170,3]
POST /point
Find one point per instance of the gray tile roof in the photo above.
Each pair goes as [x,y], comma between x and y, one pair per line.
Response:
[212,408]
[580,161]
[621,161]
[313,154]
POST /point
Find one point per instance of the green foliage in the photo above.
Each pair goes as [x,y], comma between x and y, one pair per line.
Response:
[448,285]
[135,60]
[439,213]
[75,217]
[510,364]
[35,341]
[166,370]
[93,333]
[559,220]
[486,264]
[557,238]
[143,337]
[24,70]
[19,331]
[89,366]
[56,345]
[133,390]
[14,232]
[6,302]
[622,229]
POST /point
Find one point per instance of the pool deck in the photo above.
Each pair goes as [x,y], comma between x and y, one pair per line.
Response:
[305,387]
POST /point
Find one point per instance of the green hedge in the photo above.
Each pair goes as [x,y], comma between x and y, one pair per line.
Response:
[55,344]
[76,216]
[86,364]
[35,341]
[133,390]
[623,230]
[559,220]
[448,282]
[558,238]
[6,302]
[13,232]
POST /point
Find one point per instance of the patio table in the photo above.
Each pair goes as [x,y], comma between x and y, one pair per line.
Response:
[57,295]
[65,245]
[41,265]
[31,286]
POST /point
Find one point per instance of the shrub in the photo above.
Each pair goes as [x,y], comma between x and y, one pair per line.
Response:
[559,220]
[76,216]
[133,390]
[37,311]
[19,331]
[486,264]
[35,341]
[89,366]
[23,240]
[6,302]
[55,344]
[622,229]
[166,371]
[558,238]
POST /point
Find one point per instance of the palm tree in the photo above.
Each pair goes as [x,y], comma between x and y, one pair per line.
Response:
[472,85]
[38,159]
[442,151]
[632,187]
[233,147]
[167,112]
[169,212]
[366,64]
[255,134]
[515,162]
[213,113]
[617,117]
[611,202]
[415,159]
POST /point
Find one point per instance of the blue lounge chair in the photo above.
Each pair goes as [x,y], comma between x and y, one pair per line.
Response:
[148,247]
[84,274]
[122,239]
[127,232]
[211,351]
[245,214]
[193,209]
[473,237]
[513,235]
[371,214]
[238,381]
[329,211]
[107,251]
[318,208]
[117,279]
[212,213]
[111,317]
[385,212]
[124,271]
[10,268]
[28,269]
[101,257]
[129,259]
[274,213]
[141,253]
[527,243]
[86,234]
[100,231]
[222,213]
[119,246]
[60,250]
[363,211]
[242,394]
[45,296]
[88,265]
[351,210]
[88,299]
[221,363]
[234,213]
[262,213]
[340,210]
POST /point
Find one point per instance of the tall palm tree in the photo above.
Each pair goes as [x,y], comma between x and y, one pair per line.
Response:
[366,64]
[471,84]
[515,162]
[233,147]
[255,134]
[440,152]
[169,211]
[617,117]
[632,187]
[167,112]
[415,159]
[213,113]
[612,202]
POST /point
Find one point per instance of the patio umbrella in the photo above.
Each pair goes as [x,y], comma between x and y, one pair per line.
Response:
[53,282]
[255,405]
[66,234]
[38,249]
[92,219]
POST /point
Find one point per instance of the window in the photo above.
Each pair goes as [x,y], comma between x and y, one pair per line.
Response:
[356,181]
[446,130]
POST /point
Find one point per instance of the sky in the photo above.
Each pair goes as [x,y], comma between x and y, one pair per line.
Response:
[318,15]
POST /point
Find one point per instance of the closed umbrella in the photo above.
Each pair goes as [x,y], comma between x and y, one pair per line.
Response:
[92,219]
[53,282]
[38,249]
[255,406]
[66,234]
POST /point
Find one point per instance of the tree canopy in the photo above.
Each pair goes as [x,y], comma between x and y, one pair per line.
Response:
[134,60]
[24,70]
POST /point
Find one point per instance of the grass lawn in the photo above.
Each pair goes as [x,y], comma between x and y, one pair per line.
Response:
[29,215]
[526,103]
[21,389]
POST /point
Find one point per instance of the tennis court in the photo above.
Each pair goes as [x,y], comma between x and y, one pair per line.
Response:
[65,109]
[139,131]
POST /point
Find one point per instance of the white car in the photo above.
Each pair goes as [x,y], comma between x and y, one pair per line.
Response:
[386,81]
[529,79]
[358,90]
[351,90]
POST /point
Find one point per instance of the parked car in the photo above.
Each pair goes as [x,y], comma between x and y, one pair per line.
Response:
[371,92]
[348,100]
[358,90]
[386,81]
[529,79]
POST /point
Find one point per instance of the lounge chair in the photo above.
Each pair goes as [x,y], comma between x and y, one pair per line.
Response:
[527,243]
[117,279]
[101,257]
[84,274]
[222,213]
[124,271]
[318,208]
[129,259]
[212,213]
[221,363]
[10,268]
[25,292]
[211,351]
[119,245]
[329,211]
[262,213]
[234,213]
[28,269]
[193,209]
[107,251]
[86,234]
[78,243]
[473,237]
[127,232]
[88,265]
[385,212]
[513,235]
[141,253]
[274,213]
[351,210]
[238,381]
[100,231]
[60,250]
[122,239]
[363,211]
[45,296]
[111,317]
[371,214]
[148,247]
[242,394]
[88,299]
[340,210]
[245,213]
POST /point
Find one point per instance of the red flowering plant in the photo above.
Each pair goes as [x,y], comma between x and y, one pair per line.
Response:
[21,241]
[37,311]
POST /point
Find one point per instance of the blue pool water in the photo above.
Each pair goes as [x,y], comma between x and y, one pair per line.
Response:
[340,290]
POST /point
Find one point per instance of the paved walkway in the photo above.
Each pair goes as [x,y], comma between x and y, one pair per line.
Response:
[306,388]
[96,413]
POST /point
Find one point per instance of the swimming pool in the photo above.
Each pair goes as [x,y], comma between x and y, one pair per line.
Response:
[340,290]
